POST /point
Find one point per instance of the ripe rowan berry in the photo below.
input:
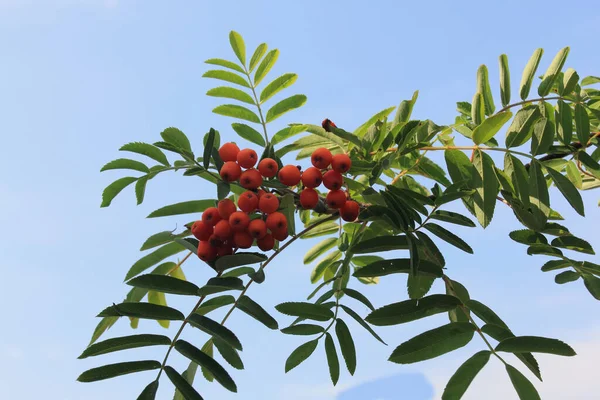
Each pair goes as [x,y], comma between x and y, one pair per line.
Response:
[260,193]
[226,207]
[333,180]
[276,222]
[280,235]
[248,201]
[268,167]
[215,241]
[341,163]
[327,124]
[312,177]
[321,158]
[257,228]
[229,152]
[336,198]
[224,250]
[211,216]
[266,243]
[201,230]
[349,211]
[268,203]
[309,198]
[230,171]
[223,230]
[243,240]
[247,158]
[290,175]
[206,252]
[239,221]
[251,179]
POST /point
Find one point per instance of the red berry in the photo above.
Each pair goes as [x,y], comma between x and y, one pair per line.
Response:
[248,202]
[312,177]
[321,158]
[257,228]
[224,250]
[327,124]
[247,158]
[289,175]
[201,230]
[309,198]
[211,216]
[206,252]
[223,230]
[268,203]
[336,198]
[226,207]
[230,171]
[215,241]
[229,152]
[349,211]
[333,180]
[251,179]
[239,221]
[268,167]
[280,235]
[243,240]
[266,243]
[260,193]
[276,222]
[341,163]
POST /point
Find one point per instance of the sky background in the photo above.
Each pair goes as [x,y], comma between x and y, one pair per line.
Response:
[80,78]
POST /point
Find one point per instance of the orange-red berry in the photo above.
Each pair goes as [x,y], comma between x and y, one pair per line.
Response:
[276,222]
[226,207]
[268,203]
[260,193]
[257,228]
[251,179]
[223,230]
[336,198]
[321,158]
[266,243]
[280,235]
[327,124]
[229,152]
[243,240]
[224,250]
[333,180]
[290,175]
[215,241]
[341,163]
[239,221]
[230,171]
[309,198]
[268,167]
[349,211]
[312,177]
[247,158]
[206,252]
[201,230]
[248,201]
[211,216]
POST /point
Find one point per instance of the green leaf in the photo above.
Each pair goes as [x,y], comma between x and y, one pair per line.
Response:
[235,111]
[142,310]
[405,109]
[332,359]
[485,313]
[300,354]
[153,258]
[226,76]
[277,85]
[592,284]
[553,265]
[573,243]
[104,325]
[249,133]
[284,106]
[395,266]
[570,80]
[208,349]
[477,109]
[186,207]
[114,189]
[316,312]
[411,310]
[177,138]
[379,244]
[538,189]
[486,185]
[230,93]
[204,360]
[215,329]
[359,296]
[258,53]
[186,389]
[504,79]
[452,217]
[303,329]
[225,63]
[147,150]
[522,385]
[590,80]
[362,322]
[483,86]
[361,130]
[215,303]
[543,136]
[287,133]
[529,72]
[265,66]
[216,285]
[346,345]
[223,189]
[123,343]
[582,124]
[118,369]
[527,236]
[566,277]
[238,46]
[574,175]
[125,163]
[253,309]
[553,71]
[149,392]
[229,354]
[317,250]
[521,128]
[140,189]
[448,236]
[535,344]
[568,190]
[321,230]
[238,259]
[239,272]
[464,375]
[542,249]
[164,284]
[564,122]
[433,343]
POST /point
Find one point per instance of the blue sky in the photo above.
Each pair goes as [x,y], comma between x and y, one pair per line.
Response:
[79,78]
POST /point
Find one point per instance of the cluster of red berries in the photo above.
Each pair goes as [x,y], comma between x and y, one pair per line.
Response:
[223,228]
